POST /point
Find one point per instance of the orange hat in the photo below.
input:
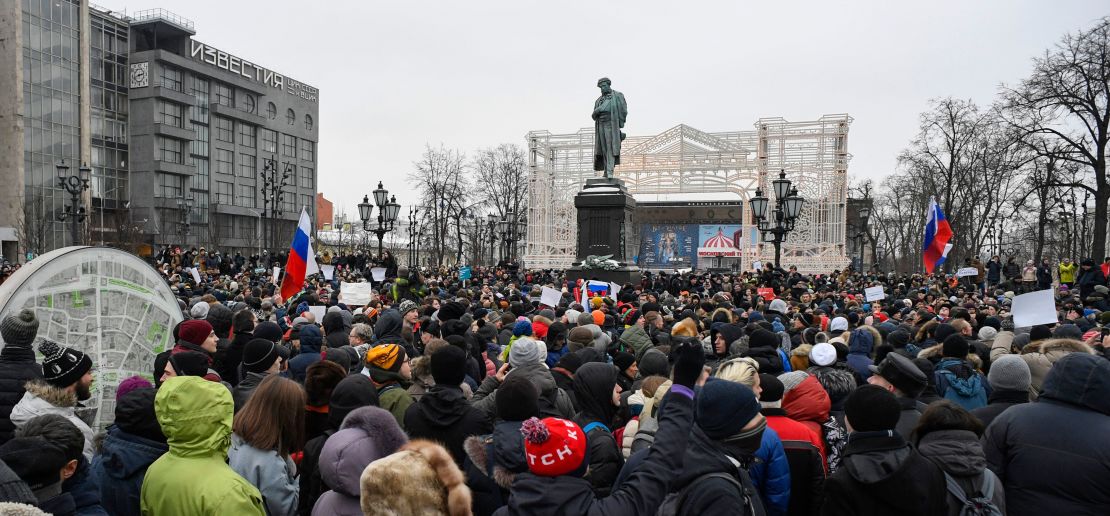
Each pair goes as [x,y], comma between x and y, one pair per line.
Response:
[599,317]
[388,357]
[596,302]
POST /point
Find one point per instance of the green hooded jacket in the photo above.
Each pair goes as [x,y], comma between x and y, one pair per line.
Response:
[636,338]
[193,477]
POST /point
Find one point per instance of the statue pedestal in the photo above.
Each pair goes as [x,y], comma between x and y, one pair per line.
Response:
[605,227]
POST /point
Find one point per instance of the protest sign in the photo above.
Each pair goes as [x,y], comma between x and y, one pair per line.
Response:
[378,273]
[613,290]
[319,312]
[328,271]
[356,294]
[1034,308]
[767,293]
[277,273]
[874,293]
[196,275]
[550,297]
[967,271]
[464,272]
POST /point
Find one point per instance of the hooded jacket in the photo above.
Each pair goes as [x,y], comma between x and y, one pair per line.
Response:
[859,354]
[120,466]
[959,453]
[1064,433]
[636,338]
[311,342]
[492,462]
[368,434]
[242,392]
[709,495]
[554,402]
[17,367]
[42,398]
[196,414]
[967,386]
[444,415]
[388,331]
[881,475]
[593,388]
[274,475]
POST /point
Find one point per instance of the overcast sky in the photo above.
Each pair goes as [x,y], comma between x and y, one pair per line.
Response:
[394,76]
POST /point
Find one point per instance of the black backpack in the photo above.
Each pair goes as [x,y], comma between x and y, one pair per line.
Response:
[673,502]
[982,503]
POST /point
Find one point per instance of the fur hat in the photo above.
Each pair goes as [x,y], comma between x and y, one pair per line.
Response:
[421,478]
[553,446]
[20,329]
[62,366]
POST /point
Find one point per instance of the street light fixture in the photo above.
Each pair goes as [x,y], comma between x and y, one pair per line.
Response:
[788,206]
[75,185]
[387,214]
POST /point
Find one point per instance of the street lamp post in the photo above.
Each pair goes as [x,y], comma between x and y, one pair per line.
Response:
[75,185]
[863,236]
[185,206]
[491,220]
[413,212]
[387,213]
[788,205]
[273,192]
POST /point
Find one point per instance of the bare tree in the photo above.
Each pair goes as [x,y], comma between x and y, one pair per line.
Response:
[439,176]
[34,227]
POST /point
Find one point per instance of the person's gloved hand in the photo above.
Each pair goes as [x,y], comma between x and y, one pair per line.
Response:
[688,364]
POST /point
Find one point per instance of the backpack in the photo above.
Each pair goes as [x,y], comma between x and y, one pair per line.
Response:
[672,503]
[968,392]
[981,505]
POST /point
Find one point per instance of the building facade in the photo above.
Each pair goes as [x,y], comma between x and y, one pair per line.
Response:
[186,143]
[325,211]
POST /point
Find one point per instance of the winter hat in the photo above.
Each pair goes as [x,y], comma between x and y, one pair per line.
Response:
[723,408]
[194,332]
[219,316]
[448,365]
[654,363]
[268,330]
[554,446]
[1067,331]
[838,324]
[791,380]
[572,316]
[517,398]
[993,322]
[580,335]
[823,354]
[871,408]
[130,384]
[761,338]
[772,389]
[34,459]
[260,354]
[320,380]
[585,318]
[14,490]
[420,478]
[189,363]
[898,339]
[571,362]
[987,333]
[955,346]
[135,414]
[20,329]
[200,310]
[943,331]
[407,306]
[62,366]
[623,360]
[384,362]
[353,392]
[1039,332]
[522,328]
[598,317]
[902,374]
[1009,373]
[448,311]
[526,351]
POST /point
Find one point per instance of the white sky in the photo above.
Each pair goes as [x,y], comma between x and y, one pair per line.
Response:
[469,74]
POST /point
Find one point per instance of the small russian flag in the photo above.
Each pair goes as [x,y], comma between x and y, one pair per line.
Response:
[302,260]
[937,234]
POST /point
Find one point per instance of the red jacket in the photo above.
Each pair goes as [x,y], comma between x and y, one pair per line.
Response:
[808,404]
[791,430]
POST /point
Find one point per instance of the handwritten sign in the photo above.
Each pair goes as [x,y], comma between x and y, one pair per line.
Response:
[874,293]
[967,271]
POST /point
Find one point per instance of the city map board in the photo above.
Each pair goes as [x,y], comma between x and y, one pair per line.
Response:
[104,302]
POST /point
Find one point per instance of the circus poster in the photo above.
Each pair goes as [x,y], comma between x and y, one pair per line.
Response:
[719,240]
[668,246]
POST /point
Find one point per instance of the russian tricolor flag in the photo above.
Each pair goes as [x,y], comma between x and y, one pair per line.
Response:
[302,261]
[937,234]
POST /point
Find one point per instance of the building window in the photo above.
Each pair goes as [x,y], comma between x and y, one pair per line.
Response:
[271,110]
[290,116]
[171,78]
[308,202]
[169,113]
[308,150]
[308,122]
[224,193]
[200,208]
[224,161]
[269,141]
[305,177]
[246,165]
[200,181]
[248,103]
[223,94]
[288,145]
[246,135]
[170,186]
[199,111]
[169,150]
[224,129]
[199,145]
[244,196]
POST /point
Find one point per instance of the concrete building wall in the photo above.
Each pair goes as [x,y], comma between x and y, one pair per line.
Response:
[11,128]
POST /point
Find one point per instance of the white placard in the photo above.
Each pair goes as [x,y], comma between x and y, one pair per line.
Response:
[319,312]
[329,271]
[277,272]
[378,273]
[356,294]
[550,297]
[967,271]
[874,293]
[757,265]
[1034,308]
[613,290]
[196,275]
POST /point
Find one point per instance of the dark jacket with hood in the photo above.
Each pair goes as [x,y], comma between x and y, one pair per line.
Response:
[711,495]
[593,388]
[17,367]
[554,402]
[336,330]
[492,462]
[859,354]
[880,474]
[1050,454]
[311,342]
[959,453]
[444,415]
[642,493]
[388,331]
[998,402]
[229,370]
[368,434]
[131,445]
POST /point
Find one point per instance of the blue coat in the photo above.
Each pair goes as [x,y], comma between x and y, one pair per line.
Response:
[119,468]
[771,474]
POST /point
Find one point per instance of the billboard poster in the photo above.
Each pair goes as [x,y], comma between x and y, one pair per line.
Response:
[719,240]
[670,246]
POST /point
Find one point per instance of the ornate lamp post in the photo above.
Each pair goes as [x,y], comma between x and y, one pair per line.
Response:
[413,212]
[491,220]
[273,193]
[387,213]
[74,185]
[788,205]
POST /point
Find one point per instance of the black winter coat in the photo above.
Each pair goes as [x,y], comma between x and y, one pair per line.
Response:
[998,402]
[444,415]
[1051,454]
[880,474]
[593,386]
[641,494]
[229,368]
[17,367]
[907,419]
[492,463]
[712,495]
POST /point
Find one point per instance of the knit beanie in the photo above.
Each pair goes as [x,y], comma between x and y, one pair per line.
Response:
[268,330]
[823,354]
[1009,373]
[194,332]
[955,346]
[987,333]
[200,310]
[791,380]
[572,361]
[871,408]
[260,354]
[448,365]
[517,399]
[522,328]
[130,384]
[654,363]
[898,339]
[581,336]
[449,311]
[623,360]
[1039,332]
[526,351]
[763,339]
[772,389]
[553,446]
[34,459]
[598,317]
[723,408]
[62,366]
[585,319]
[20,329]
[354,391]
[407,306]
[943,331]
[385,361]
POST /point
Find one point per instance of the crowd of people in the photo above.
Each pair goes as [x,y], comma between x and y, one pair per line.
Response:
[762,392]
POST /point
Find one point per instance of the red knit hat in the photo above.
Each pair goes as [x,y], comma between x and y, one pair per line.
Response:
[539,329]
[194,331]
[553,446]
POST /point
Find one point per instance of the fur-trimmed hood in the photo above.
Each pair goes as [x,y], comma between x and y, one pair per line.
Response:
[933,353]
[56,396]
[507,445]
[42,398]
[1056,347]
[802,350]
[367,434]
[420,478]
